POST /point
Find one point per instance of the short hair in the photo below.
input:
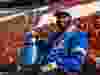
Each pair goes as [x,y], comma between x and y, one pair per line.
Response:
[61,13]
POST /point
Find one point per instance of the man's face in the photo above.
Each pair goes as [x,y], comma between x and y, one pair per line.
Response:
[9,42]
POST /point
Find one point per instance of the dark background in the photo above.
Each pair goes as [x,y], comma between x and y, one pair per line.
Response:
[23,4]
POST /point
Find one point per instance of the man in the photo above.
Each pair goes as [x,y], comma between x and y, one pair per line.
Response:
[9,42]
